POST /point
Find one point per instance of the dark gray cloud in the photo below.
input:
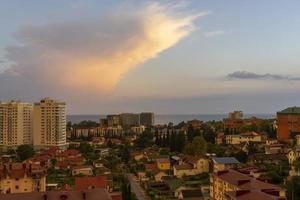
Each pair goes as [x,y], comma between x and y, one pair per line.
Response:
[244,75]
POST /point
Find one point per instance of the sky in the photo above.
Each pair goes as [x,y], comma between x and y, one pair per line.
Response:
[164,56]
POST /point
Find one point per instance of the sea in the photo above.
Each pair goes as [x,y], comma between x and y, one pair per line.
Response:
[165,119]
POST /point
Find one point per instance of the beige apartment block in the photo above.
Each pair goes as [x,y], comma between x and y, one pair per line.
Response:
[49,123]
[15,124]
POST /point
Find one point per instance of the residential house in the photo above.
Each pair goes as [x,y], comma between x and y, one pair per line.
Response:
[163,163]
[274,149]
[245,137]
[190,166]
[224,163]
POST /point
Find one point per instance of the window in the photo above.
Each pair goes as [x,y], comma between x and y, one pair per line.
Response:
[17,187]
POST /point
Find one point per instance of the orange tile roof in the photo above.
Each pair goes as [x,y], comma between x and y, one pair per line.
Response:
[91,182]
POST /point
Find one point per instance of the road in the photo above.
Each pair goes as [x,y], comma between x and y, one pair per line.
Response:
[136,188]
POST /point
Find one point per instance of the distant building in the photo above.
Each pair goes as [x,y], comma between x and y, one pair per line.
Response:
[129,119]
[234,122]
[288,123]
[15,124]
[113,120]
[147,119]
[49,124]
[243,138]
[137,129]
[236,115]
[22,178]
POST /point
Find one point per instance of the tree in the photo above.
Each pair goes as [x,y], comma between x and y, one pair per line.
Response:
[180,142]
[25,151]
[197,148]
[173,142]
[53,162]
[200,145]
[125,154]
[293,188]
[145,140]
[296,164]
[85,148]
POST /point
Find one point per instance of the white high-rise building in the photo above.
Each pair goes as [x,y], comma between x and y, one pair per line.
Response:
[15,124]
[49,123]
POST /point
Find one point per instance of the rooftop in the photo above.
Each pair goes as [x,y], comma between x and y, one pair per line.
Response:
[90,182]
[290,110]
[94,194]
[226,160]
[244,181]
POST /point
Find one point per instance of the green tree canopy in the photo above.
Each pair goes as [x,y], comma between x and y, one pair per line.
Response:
[196,148]
[25,151]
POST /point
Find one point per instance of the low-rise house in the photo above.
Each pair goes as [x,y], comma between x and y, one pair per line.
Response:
[274,149]
[82,170]
[176,160]
[191,166]
[227,184]
[163,163]
[243,138]
[224,163]
[158,175]
[42,160]
[21,177]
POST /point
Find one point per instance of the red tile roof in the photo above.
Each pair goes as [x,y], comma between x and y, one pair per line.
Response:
[91,182]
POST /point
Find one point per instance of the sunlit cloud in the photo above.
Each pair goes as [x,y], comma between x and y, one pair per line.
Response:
[93,55]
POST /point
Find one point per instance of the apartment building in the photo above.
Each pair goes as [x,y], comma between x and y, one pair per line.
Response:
[233,185]
[15,124]
[49,123]
[129,119]
[147,119]
[288,123]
